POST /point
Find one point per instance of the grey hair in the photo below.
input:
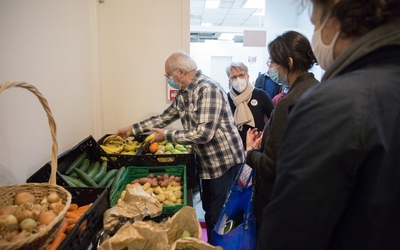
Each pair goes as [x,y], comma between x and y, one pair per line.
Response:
[238,66]
[182,60]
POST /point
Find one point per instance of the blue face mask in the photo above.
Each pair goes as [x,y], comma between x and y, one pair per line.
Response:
[172,83]
[274,75]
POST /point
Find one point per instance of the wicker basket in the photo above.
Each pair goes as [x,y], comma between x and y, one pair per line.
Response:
[41,239]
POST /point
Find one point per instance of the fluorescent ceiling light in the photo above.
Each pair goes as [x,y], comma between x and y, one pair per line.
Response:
[205,24]
[254,4]
[211,4]
[226,36]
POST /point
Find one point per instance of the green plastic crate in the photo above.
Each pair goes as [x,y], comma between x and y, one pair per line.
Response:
[136,172]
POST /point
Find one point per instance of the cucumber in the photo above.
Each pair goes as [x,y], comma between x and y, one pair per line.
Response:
[74,181]
[85,178]
[110,182]
[102,172]
[109,175]
[85,165]
[76,163]
[117,178]
[94,169]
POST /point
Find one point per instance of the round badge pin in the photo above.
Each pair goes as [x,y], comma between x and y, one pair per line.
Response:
[254,102]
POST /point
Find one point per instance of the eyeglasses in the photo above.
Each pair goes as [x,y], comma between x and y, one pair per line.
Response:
[168,76]
[241,76]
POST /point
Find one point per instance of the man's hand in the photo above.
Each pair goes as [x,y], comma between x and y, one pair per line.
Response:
[158,135]
[124,132]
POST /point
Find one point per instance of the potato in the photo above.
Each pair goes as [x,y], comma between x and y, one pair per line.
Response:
[146,186]
[179,201]
[178,194]
[168,203]
[171,198]
[158,190]
[161,197]
[150,190]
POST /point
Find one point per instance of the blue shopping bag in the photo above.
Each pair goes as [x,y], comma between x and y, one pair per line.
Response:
[236,226]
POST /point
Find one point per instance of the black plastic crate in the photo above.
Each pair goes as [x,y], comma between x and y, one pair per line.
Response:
[100,197]
[157,160]
[88,145]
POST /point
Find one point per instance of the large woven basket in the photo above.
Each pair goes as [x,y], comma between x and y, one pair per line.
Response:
[40,240]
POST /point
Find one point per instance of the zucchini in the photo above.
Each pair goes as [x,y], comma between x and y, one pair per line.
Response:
[93,169]
[102,172]
[76,163]
[110,182]
[74,182]
[85,165]
[85,178]
[117,178]
[109,175]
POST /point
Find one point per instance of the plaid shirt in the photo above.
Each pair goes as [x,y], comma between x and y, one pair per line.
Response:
[208,125]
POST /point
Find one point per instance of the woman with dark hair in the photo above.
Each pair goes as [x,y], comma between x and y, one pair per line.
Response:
[291,57]
[338,172]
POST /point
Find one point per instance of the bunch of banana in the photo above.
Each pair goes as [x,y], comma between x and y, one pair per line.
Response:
[113,144]
[149,138]
[116,145]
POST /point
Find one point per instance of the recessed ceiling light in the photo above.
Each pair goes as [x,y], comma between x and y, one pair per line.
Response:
[205,24]
[211,4]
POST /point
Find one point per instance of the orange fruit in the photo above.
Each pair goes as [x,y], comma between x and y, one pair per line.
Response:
[153,147]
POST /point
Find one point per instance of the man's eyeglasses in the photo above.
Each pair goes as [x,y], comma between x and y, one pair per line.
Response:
[241,76]
[168,76]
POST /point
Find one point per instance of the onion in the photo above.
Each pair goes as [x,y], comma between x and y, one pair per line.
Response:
[22,213]
[57,208]
[28,225]
[9,209]
[9,223]
[24,197]
[46,217]
[53,197]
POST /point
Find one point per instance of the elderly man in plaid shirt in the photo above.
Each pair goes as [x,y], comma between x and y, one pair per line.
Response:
[203,109]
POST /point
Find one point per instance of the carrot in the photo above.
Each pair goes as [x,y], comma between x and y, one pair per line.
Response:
[69,228]
[82,226]
[72,215]
[72,220]
[56,241]
[63,226]
[77,212]
[73,207]
[84,207]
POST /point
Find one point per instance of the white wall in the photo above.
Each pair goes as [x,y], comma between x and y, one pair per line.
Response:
[96,64]
[48,44]
[133,56]
[203,53]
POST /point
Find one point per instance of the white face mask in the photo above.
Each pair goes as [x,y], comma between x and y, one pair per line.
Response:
[323,52]
[239,84]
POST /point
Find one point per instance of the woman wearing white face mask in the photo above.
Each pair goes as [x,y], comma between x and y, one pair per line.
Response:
[291,57]
[249,104]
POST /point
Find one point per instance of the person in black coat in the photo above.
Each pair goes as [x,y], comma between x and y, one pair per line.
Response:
[291,57]
[338,170]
